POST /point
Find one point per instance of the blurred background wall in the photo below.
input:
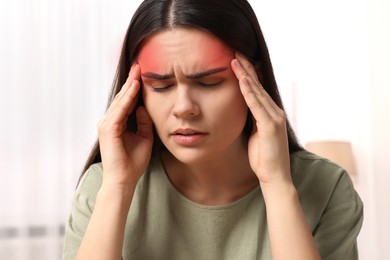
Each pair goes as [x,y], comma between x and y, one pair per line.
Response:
[57,61]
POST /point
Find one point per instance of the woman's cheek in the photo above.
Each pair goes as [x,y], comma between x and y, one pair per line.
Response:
[152,102]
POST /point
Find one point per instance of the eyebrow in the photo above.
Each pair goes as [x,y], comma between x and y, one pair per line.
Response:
[198,75]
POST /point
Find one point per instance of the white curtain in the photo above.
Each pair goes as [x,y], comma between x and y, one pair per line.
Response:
[57,62]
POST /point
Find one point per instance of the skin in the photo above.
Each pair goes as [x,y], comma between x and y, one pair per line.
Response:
[210,104]
[218,167]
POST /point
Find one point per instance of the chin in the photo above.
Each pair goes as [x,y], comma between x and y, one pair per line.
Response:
[191,156]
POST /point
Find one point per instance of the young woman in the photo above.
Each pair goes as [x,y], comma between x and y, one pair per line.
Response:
[195,157]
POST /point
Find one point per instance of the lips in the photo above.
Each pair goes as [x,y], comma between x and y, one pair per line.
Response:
[188,137]
[187,132]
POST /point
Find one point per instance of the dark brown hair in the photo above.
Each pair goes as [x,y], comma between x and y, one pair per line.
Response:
[232,21]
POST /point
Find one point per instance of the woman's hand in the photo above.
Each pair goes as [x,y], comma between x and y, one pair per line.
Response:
[125,155]
[289,233]
[268,143]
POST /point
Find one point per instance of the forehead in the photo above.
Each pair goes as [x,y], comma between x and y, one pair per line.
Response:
[185,48]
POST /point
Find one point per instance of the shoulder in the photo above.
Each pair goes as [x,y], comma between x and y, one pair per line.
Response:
[308,168]
[313,163]
[321,184]
[83,203]
[333,208]
[314,174]
[91,182]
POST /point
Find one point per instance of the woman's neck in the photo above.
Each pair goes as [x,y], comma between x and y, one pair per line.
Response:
[218,181]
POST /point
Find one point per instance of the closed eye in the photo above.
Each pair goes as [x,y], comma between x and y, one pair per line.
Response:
[162,88]
[209,84]
[165,87]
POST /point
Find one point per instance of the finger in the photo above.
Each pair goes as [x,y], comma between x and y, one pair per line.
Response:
[144,123]
[250,70]
[241,72]
[134,74]
[269,118]
[120,110]
[127,83]
[255,87]
[252,92]
[259,112]
[114,121]
[246,65]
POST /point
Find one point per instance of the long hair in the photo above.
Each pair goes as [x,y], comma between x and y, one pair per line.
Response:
[232,21]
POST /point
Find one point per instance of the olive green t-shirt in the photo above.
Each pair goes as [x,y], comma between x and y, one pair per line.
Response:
[163,224]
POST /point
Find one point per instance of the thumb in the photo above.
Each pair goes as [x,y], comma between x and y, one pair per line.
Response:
[144,123]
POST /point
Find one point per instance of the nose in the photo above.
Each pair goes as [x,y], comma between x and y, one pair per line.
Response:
[185,105]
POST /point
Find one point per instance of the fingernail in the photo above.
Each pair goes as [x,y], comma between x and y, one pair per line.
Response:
[133,66]
[131,69]
[237,63]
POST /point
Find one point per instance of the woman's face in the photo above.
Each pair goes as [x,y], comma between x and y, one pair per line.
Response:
[192,95]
